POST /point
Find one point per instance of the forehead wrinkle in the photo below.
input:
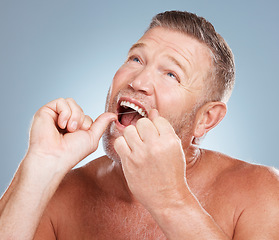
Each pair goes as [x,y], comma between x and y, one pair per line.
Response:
[176,62]
[178,50]
[172,46]
[200,51]
[137,45]
[185,53]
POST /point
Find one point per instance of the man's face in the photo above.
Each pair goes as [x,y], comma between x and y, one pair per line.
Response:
[164,70]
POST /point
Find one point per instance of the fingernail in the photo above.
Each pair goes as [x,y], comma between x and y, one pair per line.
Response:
[64,124]
[74,125]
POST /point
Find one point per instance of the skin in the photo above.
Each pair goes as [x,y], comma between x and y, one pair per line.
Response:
[155,182]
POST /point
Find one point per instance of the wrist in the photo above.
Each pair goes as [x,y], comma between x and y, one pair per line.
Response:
[179,217]
[172,198]
[41,171]
[45,162]
[178,203]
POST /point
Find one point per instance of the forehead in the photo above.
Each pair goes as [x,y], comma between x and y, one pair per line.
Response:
[173,38]
[195,53]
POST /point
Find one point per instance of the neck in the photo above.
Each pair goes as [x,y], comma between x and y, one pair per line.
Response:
[193,156]
[114,173]
[114,181]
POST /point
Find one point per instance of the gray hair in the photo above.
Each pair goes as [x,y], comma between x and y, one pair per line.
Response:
[222,75]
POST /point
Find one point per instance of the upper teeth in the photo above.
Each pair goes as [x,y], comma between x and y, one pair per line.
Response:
[133,106]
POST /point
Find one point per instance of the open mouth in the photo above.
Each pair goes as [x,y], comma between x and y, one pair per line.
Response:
[129,113]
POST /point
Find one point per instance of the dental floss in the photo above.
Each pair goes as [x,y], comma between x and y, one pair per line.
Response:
[126,112]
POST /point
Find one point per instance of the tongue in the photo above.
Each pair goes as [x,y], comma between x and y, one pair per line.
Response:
[130,118]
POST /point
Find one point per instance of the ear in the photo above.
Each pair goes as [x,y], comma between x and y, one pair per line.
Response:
[209,116]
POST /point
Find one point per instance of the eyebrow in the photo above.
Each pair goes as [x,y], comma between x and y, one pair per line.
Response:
[172,59]
[136,45]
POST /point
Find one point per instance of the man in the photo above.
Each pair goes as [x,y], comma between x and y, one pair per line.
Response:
[154,182]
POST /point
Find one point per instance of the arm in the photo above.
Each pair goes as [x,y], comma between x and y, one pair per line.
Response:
[259,220]
[60,137]
[154,166]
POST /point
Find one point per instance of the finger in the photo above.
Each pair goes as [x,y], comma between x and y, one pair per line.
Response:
[99,126]
[86,123]
[152,114]
[77,115]
[146,129]
[132,137]
[163,126]
[62,109]
[121,147]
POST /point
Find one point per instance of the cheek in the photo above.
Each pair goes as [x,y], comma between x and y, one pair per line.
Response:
[116,85]
[170,100]
[119,81]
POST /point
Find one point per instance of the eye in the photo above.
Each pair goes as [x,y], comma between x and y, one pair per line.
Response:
[135,59]
[172,75]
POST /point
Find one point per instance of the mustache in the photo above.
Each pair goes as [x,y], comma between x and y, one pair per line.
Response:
[138,96]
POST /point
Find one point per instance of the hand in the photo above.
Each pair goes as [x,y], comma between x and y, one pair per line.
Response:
[62,135]
[153,161]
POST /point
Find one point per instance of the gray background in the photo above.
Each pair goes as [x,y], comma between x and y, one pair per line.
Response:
[51,49]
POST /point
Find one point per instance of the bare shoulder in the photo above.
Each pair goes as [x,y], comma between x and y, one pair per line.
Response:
[255,191]
[244,183]
[77,191]
[249,177]
[81,182]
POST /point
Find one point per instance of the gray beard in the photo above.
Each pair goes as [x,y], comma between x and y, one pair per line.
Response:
[108,145]
[183,128]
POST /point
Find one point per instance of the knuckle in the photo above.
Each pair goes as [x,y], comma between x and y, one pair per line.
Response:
[65,112]
[70,100]
[62,107]
[81,111]
[60,99]
[37,115]
[41,112]
[74,106]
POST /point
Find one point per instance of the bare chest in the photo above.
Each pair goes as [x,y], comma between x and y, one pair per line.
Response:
[111,220]
[117,220]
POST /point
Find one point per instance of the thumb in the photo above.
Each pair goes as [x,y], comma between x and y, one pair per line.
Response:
[99,126]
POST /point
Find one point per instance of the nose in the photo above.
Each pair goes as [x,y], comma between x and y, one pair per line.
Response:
[143,81]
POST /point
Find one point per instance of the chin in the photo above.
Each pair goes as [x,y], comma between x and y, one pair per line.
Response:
[108,145]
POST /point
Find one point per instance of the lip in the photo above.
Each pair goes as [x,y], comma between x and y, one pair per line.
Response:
[137,103]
